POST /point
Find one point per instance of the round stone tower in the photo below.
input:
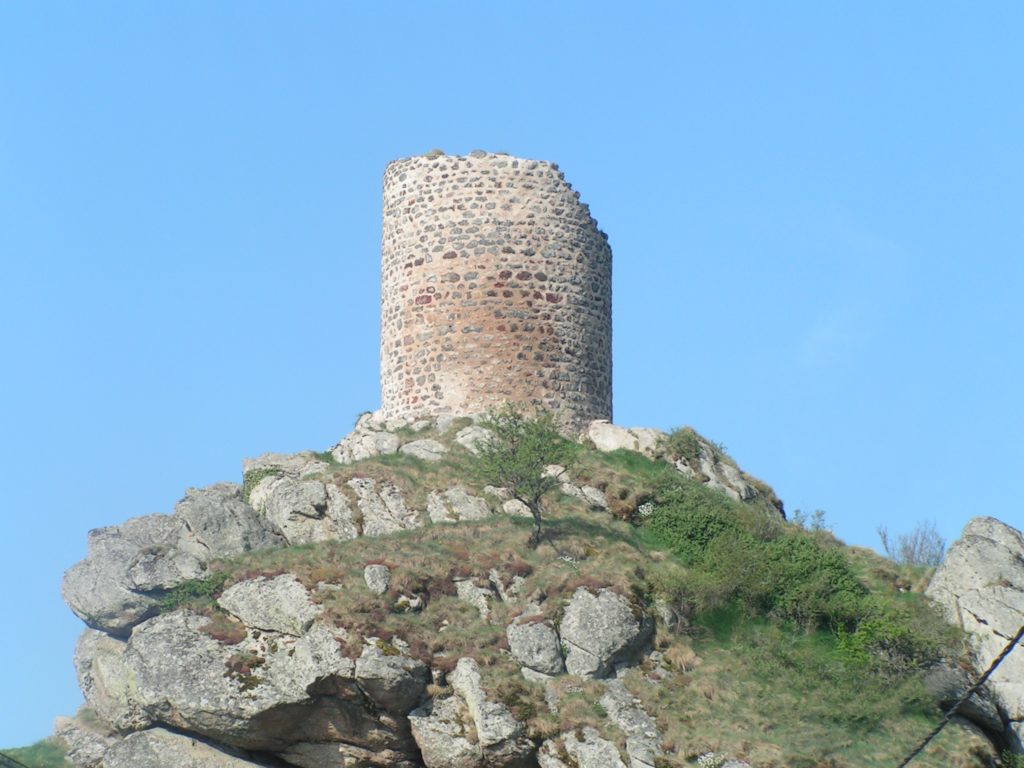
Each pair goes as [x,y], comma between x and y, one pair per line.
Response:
[495,286]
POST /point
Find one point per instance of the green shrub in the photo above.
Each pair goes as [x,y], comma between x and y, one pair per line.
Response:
[923,546]
[516,454]
[682,443]
[688,517]
[253,477]
[204,589]
[892,640]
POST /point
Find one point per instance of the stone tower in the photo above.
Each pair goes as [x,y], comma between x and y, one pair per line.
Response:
[495,286]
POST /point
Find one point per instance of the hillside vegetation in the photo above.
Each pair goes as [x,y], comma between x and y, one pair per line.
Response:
[43,754]
[746,637]
[775,643]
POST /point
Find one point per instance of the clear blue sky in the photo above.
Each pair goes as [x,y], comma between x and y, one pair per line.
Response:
[814,209]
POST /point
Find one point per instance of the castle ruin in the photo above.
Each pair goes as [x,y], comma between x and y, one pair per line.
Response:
[495,287]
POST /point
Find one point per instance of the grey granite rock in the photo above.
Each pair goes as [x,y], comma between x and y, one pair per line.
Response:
[305,511]
[365,443]
[425,449]
[456,504]
[643,740]
[382,507]
[377,578]
[265,692]
[160,748]
[502,738]
[392,680]
[84,744]
[980,587]
[439,728]
[105,683]
[601,630]
[590,751]
[279,604]
[535,644]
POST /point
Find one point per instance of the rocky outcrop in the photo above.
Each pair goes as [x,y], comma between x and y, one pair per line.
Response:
[980,587]
[501,738]
[703,461]
[305,510]
[611,437]
[129,566]
[382,507]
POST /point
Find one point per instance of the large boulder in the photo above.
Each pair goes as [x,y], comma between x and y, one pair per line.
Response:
[611,437]
[222,523]
[305,510]
[456,504]
[426,449]
[948,682]
[583,748]
[129,566]
[472,437]
[501,737]
[104,589]
[367,440]
[160,748]
[643,740]
[267,692]
[382,507]
[600,631]
[393,681]
[279,604]
[980,587]
[105,683]
[439,728]
[297,465]
[377,577]
[535,645]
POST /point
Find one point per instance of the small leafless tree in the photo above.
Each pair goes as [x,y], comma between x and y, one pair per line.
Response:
[922,546]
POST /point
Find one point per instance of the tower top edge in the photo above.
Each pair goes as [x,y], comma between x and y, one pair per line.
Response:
[476,156]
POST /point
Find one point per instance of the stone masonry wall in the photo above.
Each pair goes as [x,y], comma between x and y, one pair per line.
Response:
[496,286]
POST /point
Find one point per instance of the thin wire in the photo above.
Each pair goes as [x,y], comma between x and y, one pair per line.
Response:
[970,692]
[9,762]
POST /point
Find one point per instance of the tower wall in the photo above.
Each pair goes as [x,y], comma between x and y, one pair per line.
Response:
[496,286]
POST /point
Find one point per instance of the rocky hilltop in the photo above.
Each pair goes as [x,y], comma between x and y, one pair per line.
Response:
[373,605]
